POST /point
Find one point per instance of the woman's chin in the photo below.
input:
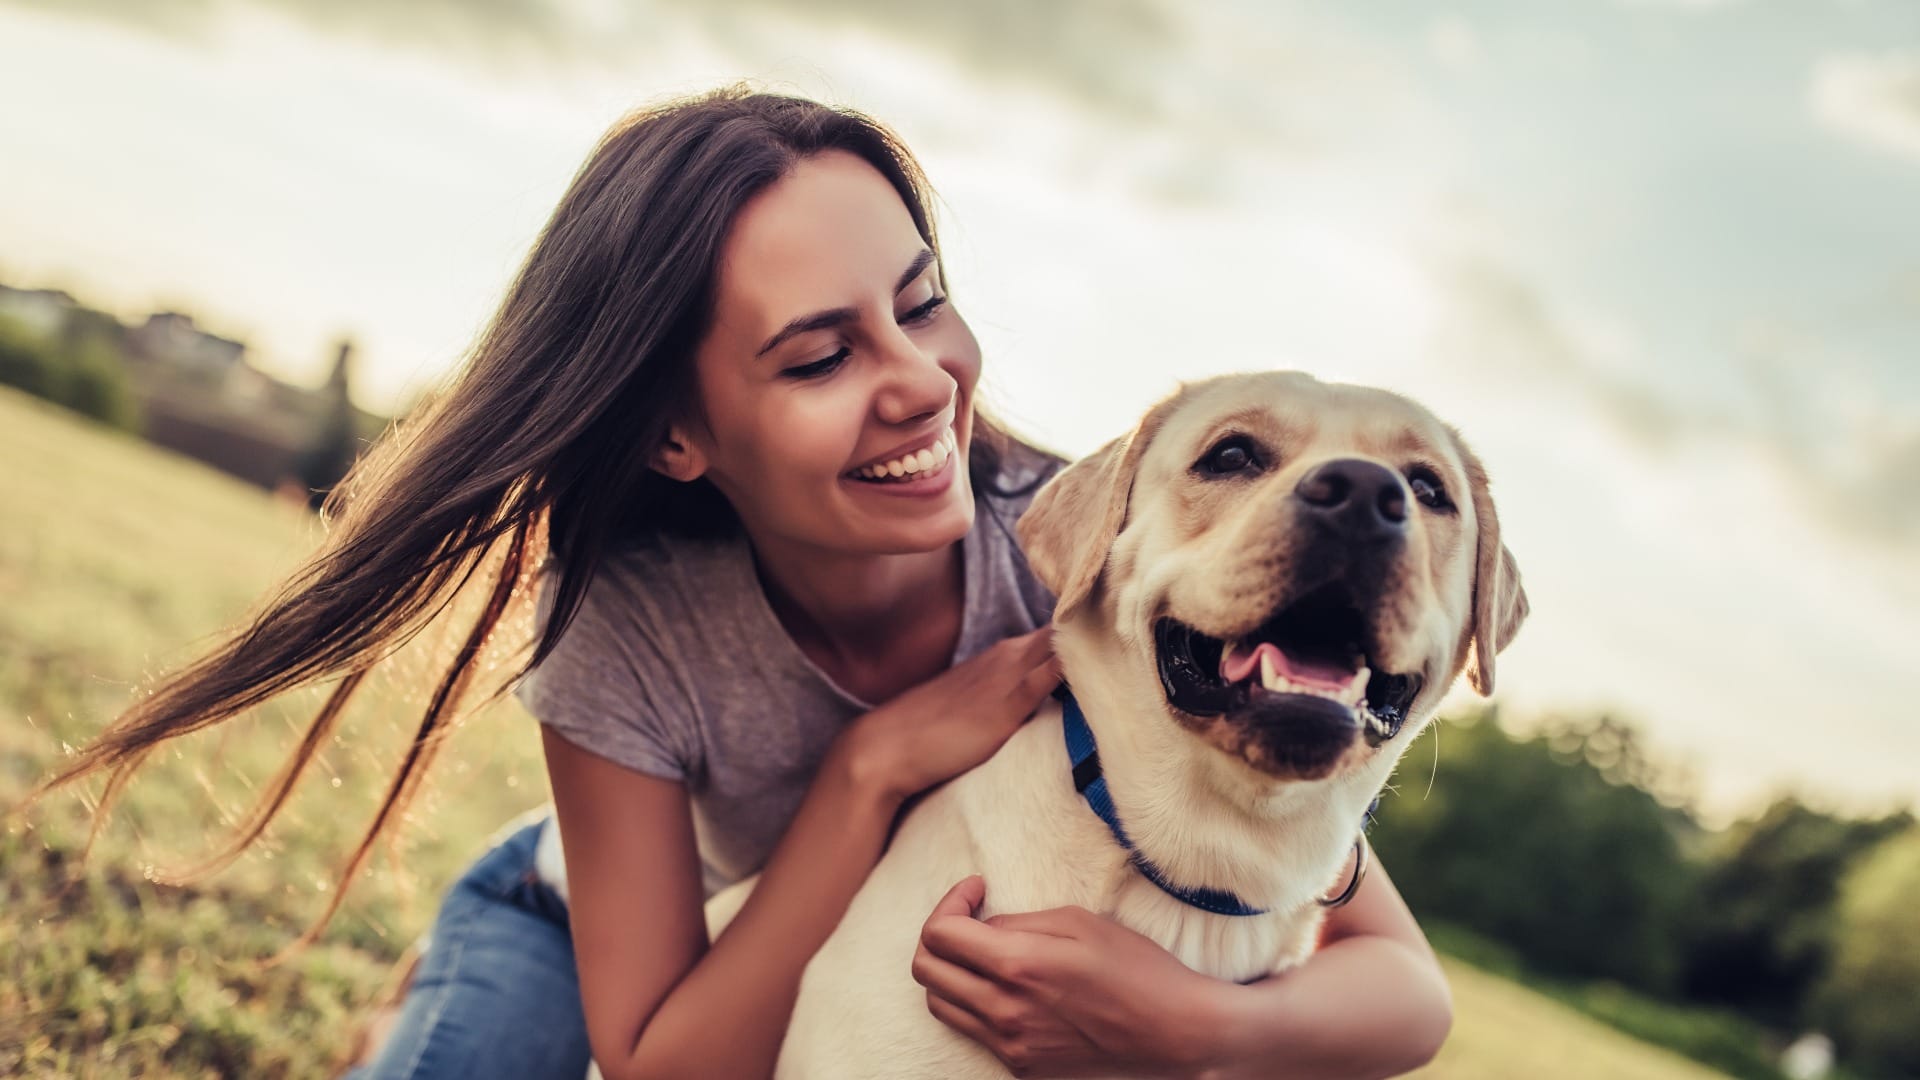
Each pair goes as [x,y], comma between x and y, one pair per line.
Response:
[930,527]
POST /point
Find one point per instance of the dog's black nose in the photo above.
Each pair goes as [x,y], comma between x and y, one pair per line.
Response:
[1360,500]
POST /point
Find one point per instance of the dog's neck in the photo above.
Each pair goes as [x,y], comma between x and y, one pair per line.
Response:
[1205,821]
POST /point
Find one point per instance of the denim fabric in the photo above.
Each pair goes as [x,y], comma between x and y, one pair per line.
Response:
[496,994]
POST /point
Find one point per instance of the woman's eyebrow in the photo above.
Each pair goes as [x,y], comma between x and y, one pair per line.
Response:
[821,320]
[920,262]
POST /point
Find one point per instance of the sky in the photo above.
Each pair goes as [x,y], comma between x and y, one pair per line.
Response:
[1658,259]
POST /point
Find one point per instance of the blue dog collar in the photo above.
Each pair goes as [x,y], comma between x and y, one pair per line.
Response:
[1091,782]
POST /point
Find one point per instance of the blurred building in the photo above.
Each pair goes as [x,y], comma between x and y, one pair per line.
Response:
[170,339]
[198,394]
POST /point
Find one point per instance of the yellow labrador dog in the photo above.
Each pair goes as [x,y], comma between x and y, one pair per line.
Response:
[1264,591]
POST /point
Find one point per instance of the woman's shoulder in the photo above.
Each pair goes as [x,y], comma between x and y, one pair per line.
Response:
[621,680]
[1023,470]
[640,598]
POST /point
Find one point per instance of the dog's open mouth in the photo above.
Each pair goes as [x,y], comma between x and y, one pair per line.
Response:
[1316,653]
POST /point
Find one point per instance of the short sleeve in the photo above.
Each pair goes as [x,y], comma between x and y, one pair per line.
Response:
[1031,472]
[612,686]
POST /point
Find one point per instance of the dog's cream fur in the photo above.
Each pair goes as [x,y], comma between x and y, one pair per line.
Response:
[1125,536]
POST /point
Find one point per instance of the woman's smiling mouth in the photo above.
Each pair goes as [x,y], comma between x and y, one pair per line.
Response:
[923,463]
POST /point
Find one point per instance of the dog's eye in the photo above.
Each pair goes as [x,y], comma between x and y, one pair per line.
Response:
[1230,455]
[1428,489]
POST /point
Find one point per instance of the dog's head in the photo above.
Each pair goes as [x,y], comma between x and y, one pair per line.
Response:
[1306,566]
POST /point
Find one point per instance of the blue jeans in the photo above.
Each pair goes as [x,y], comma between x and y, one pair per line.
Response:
[496,994]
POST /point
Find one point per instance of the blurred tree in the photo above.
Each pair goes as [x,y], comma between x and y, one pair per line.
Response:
[80,367]
[1870,996]
[1546,845]
[336,444]
[25,361]
[1765,920]
[96,383]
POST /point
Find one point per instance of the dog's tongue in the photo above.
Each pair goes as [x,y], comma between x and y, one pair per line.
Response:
[1236,665]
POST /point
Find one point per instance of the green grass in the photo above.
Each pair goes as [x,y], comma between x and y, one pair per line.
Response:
[1504,1031]
[1719,1038]
[115,560]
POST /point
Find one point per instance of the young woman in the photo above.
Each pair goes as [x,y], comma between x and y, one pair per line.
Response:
[730,403]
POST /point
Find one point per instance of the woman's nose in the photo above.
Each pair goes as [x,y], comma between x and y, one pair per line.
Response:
[916,385]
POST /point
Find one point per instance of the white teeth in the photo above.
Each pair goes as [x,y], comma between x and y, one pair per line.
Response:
[1351,695]
[920,461]
[1378,725]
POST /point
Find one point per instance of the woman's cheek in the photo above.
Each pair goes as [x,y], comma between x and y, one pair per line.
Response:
[964,361]
[823,433]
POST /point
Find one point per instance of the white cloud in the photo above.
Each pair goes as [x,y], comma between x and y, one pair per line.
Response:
[1684,5]
[1740,580]
[1870,98]
[1233,193]
[1453,43]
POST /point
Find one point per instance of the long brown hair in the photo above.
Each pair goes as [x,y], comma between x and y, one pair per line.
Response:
[537,451]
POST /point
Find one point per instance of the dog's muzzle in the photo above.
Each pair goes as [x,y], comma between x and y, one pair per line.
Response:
[1307,681]
[1309,668]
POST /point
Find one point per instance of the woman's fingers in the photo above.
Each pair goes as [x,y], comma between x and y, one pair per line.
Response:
[960,998]
[960,1020]
[1031,670]
[1064,922]
[961,717]
[1037,645]
[948,980]
[1024,652]
[963,899]
[1000,955]
[944,979]
[1038,683]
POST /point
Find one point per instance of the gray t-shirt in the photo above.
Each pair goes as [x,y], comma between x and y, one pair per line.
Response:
[676,667]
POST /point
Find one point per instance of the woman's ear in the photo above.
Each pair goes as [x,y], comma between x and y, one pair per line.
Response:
[678,457]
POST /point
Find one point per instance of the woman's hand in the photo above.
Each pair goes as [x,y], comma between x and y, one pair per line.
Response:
[1061,992]
[1066,993]
[955,720]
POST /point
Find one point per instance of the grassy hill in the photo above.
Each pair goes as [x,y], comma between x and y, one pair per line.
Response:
[115,560]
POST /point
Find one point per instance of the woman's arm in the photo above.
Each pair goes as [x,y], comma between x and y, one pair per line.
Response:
[1066,992]
[661,1002]
[1371,1002]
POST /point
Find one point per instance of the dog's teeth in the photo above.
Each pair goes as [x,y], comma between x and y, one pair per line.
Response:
[1269,675]
[1356,691]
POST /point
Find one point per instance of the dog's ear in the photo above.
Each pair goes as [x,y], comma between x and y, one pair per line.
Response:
[1499,601]
[1072,523]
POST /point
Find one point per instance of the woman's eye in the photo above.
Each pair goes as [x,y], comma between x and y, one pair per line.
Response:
[923,312]
[826,365]
[1230,455]
[1429,490]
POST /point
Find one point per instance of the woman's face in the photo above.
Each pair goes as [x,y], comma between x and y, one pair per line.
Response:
[836,383]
